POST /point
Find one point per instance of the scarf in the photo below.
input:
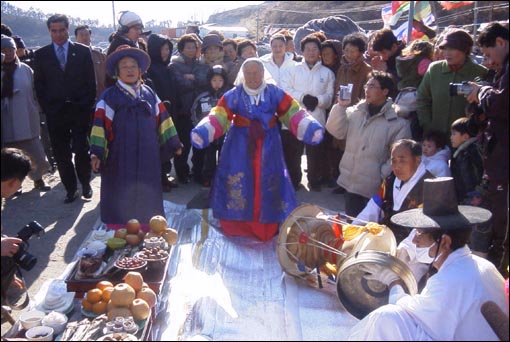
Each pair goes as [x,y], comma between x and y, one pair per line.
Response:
[8,78]
[256,95]
[133,90]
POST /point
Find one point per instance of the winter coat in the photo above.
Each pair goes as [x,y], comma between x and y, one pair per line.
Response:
[318,81]
[494,104]
[437,110]
[355,73]
[187,90]
[467,168]
[163,79]
[20,114]
[365,162]
[437,164]
[275,70]
[408,70]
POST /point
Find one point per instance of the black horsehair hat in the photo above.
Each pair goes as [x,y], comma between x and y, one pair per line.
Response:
[440,209]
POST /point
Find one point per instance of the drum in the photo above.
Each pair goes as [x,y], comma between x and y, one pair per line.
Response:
[312,244]
[330,254]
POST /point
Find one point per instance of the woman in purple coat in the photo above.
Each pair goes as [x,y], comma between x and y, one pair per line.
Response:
[131,133]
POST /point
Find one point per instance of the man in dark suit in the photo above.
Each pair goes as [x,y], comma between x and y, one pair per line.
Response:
[66,88]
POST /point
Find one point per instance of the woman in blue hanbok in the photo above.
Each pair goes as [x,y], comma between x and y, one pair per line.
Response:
[131,133]
[252,192]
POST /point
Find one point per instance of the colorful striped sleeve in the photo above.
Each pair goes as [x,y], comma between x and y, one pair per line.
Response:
[101,133]
[301,124]
[167,133]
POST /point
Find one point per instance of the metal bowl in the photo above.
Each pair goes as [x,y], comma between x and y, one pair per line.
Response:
[360,296]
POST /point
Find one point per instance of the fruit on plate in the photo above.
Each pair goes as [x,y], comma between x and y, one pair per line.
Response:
[170,235]
[133,239]
[133,226]
[120,233]
[140,309]
[94,295]
[104,284]
[122,295]
[134,279]
[99,308]
[158,224]
[147,295]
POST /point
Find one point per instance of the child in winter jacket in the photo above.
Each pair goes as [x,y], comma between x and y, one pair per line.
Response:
[436,154]
[217,79]
[466,164]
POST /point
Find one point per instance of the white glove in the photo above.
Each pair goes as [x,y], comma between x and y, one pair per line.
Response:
[317,136]
[197,139]
[379,273]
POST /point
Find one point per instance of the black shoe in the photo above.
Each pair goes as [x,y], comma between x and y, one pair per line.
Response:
[71,196]
[87,191]
[338,191]
[184,180]
[173,183]
[40,185]
[316,188]
[166,186]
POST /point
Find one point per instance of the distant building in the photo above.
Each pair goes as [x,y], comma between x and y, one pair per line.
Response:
[228,31]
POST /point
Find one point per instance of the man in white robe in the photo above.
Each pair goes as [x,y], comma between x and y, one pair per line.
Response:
[449,307]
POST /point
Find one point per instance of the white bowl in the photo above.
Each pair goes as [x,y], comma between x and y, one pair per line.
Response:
[30,319]
[55,320]
[39,334]
[98,246]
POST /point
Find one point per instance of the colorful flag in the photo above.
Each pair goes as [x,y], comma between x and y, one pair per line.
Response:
[448,5]
[386,15]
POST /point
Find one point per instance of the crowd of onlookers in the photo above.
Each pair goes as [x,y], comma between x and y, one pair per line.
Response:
[368,92]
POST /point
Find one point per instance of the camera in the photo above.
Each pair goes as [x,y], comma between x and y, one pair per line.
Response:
[460,89]
[24,259]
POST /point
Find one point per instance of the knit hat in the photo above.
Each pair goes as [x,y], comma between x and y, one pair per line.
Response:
[211,40]
[20,44]
[457,39]
[8,42]
[129,19]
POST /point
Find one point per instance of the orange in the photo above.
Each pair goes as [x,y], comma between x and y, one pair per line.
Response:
[94,295]
[87,306]
[99,308]
[103,284]
[107,292]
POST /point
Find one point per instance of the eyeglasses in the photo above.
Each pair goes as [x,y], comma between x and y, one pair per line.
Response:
[370,86]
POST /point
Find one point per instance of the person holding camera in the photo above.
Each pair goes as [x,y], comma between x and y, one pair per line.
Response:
[437,108]
[492,112]
[15,167]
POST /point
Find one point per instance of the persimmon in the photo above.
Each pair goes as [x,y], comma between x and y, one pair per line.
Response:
[99,308]
[87,306]
[94,295]
[104,284]
[107,292]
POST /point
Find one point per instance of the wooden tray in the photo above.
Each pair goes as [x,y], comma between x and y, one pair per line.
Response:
[80,286]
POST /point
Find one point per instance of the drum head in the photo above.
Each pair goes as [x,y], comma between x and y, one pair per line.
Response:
[361,296]
[303,213]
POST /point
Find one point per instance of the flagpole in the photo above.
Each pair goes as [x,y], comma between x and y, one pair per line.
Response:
[475,19]
[113,11]
[410,22]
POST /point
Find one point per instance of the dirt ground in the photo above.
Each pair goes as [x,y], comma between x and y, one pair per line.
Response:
[67,225]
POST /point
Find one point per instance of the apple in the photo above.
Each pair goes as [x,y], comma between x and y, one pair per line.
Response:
[120,233]
[133,239]
[141,235]
[133,226]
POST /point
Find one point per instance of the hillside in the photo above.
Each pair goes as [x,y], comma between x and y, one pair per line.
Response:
[366,14]
[31,25]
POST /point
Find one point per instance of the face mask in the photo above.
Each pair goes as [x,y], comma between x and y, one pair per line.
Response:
[422,254]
